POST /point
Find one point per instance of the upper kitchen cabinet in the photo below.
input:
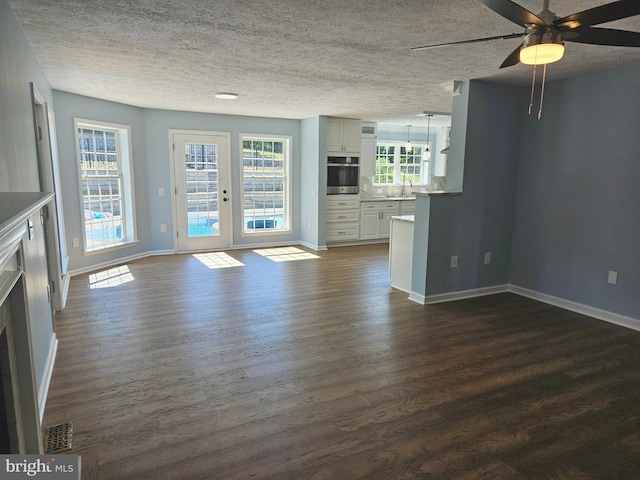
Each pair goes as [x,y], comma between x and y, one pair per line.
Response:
[368,150]
[343,135]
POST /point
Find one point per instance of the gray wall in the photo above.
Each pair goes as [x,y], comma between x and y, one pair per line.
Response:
[19,165]
[18,68]
[480,219]
[67,107]
[152,169]
[577,212]
[157,125]
[311,186]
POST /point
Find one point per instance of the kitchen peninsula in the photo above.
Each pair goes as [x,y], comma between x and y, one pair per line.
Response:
[409,246]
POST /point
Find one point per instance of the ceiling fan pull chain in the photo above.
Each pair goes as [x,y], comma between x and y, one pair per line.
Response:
[544,78]
[533,85]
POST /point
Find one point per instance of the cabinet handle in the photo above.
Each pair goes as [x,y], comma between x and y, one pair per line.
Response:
[342,216]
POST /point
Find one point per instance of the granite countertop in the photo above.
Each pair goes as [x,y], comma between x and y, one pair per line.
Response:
[404,218]
[385,199]
[435,193]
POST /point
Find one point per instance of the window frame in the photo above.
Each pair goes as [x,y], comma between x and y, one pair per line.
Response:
[425,167]
[287,190]
[124,149]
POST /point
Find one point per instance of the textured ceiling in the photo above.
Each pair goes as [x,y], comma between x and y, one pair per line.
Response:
[287,58]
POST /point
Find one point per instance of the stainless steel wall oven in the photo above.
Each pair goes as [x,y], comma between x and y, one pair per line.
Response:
[343,174]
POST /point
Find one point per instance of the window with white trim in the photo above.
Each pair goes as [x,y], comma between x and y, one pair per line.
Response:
[395,164]
[266,186]
[106,184]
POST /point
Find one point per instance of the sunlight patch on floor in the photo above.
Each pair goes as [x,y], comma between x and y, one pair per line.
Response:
[112,277]
[285,254]
[215,260]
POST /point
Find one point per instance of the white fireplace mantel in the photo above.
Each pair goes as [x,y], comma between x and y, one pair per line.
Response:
[27,319]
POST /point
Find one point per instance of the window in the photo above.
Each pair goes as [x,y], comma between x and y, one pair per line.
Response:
[104,163]
[266,186]
[396,164]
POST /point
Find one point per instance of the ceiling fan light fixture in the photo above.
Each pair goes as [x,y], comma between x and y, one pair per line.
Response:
[542,48]
[226,95]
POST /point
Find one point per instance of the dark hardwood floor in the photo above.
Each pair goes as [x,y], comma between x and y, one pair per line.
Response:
[316,369]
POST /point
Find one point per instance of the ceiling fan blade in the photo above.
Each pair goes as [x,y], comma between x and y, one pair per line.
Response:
[475,40]
[512,59]
[603,36]
[514,12]
[602,14]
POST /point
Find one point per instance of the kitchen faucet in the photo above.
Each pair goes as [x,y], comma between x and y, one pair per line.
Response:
[404,180]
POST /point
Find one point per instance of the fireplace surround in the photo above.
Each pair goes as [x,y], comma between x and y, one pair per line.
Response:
[21,254]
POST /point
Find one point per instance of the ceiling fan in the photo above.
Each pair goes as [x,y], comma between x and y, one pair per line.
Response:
[545,33]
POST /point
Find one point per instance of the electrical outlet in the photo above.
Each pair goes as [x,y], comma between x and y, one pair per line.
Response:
[163,228]
[76,242]
[613,278]
[454,261]
[161,192]
[487,258]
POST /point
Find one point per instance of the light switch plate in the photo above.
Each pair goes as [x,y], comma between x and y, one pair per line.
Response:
[454,261]
[613,278]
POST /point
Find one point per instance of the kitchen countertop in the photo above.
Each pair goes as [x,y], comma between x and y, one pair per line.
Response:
[435,193]
[385,199]
[404,218]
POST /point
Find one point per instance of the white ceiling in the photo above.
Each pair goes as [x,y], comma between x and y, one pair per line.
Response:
[288,58]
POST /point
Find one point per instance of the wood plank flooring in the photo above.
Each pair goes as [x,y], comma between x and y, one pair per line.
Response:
[315,368]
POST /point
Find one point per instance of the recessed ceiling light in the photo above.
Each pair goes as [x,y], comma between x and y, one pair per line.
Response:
[226,95]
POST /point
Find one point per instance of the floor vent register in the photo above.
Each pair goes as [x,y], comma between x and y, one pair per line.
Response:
[58,438]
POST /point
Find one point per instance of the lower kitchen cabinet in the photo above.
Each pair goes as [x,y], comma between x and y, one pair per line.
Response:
[375,219]
[343,218]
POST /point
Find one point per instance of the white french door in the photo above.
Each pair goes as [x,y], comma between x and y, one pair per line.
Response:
[202,196]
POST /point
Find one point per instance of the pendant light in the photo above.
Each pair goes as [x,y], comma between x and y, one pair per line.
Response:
[426,154]
[408,145]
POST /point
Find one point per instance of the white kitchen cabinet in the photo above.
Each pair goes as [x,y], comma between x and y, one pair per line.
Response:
[369,220]
[368,157]
[401,252]
[343,135]
[343,218]
[375,218]
[407,207]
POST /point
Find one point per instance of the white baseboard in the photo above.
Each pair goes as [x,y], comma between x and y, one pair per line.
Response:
[597,313]
[253,246]
[460,295]
[46,377]
[153,253]
[607,316]
[317,248]
[119,261]
[416,297]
